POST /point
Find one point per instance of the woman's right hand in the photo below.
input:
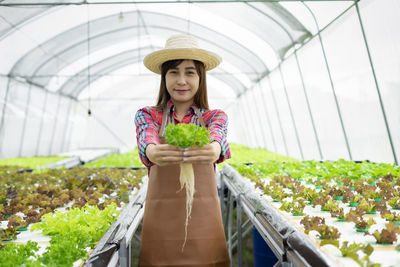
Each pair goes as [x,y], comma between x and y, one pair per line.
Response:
[164,154]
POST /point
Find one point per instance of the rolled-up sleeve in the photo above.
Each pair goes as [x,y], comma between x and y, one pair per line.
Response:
[146,133]
[218,126]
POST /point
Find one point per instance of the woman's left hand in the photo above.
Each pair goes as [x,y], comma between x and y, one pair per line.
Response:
[206,154]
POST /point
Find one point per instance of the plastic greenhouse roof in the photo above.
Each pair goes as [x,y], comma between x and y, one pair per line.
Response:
[97,39]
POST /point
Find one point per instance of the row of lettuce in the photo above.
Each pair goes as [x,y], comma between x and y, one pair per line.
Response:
[345,190]
[127,160]
[91,196]
[73,207]
[240,154]
[91,192]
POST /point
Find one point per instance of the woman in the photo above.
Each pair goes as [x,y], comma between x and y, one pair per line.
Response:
[182,99]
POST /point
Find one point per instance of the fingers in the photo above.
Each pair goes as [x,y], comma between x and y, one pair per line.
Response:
[201,155]
[190,152]
[166,147]
[165,154]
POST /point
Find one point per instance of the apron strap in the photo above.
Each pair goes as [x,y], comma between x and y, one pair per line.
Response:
[200,117]
[164,119]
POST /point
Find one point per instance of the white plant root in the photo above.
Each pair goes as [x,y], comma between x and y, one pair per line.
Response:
[186,180]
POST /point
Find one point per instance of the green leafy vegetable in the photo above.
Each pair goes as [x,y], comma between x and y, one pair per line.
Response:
[8,233]
[351,251]
[12,255]
[87,220]
[296,207]
[30,162]
[186,135]
[129,159]
[327,232]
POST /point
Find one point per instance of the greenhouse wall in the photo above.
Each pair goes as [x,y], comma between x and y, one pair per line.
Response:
[333,95]
[33,122]
[325,95]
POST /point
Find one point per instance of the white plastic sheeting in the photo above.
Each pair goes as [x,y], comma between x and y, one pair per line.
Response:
[308,79]
[342,86]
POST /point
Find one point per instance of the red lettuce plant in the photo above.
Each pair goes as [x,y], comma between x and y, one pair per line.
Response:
[387,235]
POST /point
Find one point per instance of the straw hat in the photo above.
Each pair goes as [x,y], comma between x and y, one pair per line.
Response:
[180,46]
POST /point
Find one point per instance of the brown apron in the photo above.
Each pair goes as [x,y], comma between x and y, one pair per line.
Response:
[163,231]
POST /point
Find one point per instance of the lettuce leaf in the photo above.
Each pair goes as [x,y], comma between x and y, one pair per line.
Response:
[186,135]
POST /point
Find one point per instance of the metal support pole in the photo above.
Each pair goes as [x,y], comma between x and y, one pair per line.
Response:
[245,232]
[70,130]
[66,3]
[123,253]
[54,125]
[230,217]
[64,133]
[245,121]
[308,106]
[28,101]
[260,121]
[291,113]
[268,118]
[279,117]
[41,123]
[239,230]
[227,211]
[331,82]
[3,115]
[250,118]
[377,85]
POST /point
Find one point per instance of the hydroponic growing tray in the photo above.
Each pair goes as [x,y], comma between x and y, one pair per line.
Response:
[30,197]
[286,235]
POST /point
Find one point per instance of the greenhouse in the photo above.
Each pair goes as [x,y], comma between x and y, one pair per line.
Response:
[311,90]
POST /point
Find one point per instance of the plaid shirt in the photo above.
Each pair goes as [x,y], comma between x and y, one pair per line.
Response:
[148,122]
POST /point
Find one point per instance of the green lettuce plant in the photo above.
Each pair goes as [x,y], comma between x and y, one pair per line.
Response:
[278,193]
[186,135]
[30,162]
[338,213]
[352,251]
[327,232]
[129,159]
[296,207]
[330,205]
[367,206]
[394,202]
[12,255]
[394,217]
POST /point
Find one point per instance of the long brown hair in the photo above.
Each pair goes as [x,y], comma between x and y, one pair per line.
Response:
[200,98]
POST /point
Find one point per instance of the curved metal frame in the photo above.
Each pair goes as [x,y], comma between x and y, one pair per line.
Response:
[376,84]
[304,90]
[331,82]
[146,27]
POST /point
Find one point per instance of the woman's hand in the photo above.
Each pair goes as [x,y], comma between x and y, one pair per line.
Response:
[164,154]
[206,154]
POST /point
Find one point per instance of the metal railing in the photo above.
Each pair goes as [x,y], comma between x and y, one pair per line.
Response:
[291,246]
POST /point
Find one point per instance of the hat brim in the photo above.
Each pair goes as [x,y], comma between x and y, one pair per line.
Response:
[154,60]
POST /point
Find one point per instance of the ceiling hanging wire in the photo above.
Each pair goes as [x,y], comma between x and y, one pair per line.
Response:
[189,17]
[121,17]
[88,59]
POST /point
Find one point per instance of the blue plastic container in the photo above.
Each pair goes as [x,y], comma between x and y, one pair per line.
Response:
[263,255]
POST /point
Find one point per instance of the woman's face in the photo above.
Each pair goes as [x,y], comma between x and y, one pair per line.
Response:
[182,82]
